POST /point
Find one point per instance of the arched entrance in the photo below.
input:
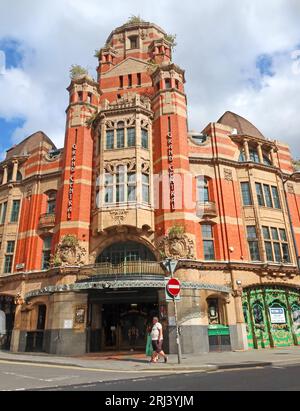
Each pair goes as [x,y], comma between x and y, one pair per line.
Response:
[272,315]
[118,317]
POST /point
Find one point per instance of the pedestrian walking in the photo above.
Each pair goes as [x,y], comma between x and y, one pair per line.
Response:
[157,341]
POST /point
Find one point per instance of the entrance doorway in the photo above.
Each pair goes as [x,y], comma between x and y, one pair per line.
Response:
[120,327]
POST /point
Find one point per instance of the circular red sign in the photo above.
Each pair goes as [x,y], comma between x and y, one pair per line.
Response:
[173,287]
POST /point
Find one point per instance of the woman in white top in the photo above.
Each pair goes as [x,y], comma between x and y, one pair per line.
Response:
[157,341]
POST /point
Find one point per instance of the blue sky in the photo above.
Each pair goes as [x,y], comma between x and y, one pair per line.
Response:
[243,62]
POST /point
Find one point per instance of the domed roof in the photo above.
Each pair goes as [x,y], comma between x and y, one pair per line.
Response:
[242,125]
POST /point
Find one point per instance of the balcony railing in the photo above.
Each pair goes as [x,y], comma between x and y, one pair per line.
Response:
[206,209]
[125,270]
[47,221]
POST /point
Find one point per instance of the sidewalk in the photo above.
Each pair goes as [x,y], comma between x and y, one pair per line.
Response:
[138,362]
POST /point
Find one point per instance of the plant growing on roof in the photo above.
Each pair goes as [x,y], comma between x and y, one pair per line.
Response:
[77,71]
[171,38]
[135,19]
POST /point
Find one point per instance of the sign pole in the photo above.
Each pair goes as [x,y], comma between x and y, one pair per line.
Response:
[172,268]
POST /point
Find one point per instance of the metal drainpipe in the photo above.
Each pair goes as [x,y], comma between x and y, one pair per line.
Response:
[290,221]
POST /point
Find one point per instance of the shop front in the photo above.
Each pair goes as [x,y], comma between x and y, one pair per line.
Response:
[272,315]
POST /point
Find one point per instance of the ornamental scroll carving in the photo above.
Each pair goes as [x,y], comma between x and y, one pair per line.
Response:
[111,166]
[228,174]
[69,253]
[177,246]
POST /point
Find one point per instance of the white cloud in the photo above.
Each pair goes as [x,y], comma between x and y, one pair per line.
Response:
[218,44]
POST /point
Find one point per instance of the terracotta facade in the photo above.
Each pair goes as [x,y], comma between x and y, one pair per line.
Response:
[84,229]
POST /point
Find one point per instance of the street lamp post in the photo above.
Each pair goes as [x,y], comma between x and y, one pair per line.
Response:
[171,266]
[284,181]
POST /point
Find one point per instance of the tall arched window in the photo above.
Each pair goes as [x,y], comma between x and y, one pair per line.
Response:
[203,195]
[125,252]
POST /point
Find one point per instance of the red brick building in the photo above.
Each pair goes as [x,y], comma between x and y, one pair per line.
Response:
[84,229]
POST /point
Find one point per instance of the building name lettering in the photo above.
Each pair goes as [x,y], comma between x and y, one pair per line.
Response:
[71,182]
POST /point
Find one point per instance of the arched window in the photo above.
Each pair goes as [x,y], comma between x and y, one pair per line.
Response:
[203,195]
[125,252]
[51,202]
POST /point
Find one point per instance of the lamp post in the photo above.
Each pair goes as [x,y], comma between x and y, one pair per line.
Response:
[284,181]
[170,265]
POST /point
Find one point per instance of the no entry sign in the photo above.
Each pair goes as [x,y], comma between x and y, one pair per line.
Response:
[173,287]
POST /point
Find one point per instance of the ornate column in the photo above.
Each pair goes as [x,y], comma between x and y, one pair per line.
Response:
[5,175]
[273,157]
[260,153]
[246,149]
[15,170]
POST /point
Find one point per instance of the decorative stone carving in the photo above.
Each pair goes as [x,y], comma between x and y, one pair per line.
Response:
[69,253]
[177,246]
[146,167]
[228,174]
[19,300]
[118,216]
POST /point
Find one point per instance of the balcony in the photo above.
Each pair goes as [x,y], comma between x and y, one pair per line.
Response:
[130,270]
[206,209]
[47,221]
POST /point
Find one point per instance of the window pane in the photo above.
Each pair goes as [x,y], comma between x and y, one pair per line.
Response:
[131,193]
[145,140]
[268,196]
[120,194]
[10,247]
[108,179]
[46,260]
[286,253]
[275,235]
[109,139]
[120,138]
[242,157]
[131,178]
[15,211]
[209,250]
[109,194]
[131,137]
[207,231]
[254,250]
[266,232]
[254,156]
[47,243]
[247,200]
[3,215]
[269,251]
[252,233]
[277,252]
[260,197]
[8,264]
[51,207]
[283,236]
[168,83]
[276,197]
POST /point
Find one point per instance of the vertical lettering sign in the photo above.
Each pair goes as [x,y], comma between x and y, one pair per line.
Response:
[71,182]
[171,171]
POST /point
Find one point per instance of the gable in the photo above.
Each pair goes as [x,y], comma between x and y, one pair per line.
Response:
[128,66]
